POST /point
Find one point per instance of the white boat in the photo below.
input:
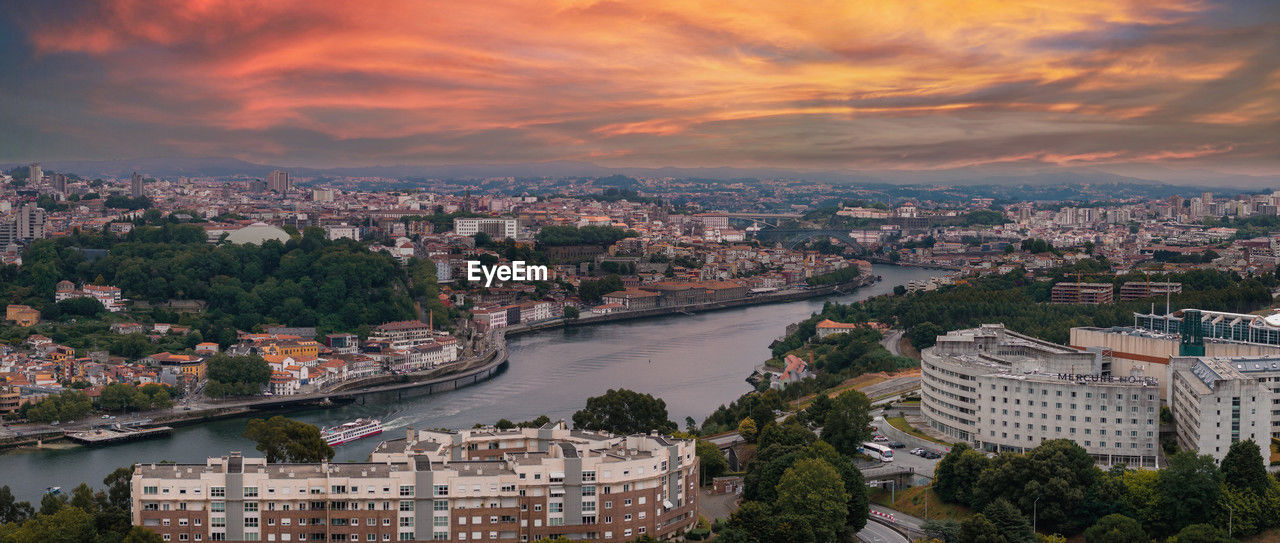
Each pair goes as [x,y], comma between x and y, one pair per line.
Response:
[351,431]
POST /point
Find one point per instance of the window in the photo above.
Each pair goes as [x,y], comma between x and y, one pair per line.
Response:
[217,491]
[406,505]
[407,490]
[588,476]
[251,522]
[150,490]
[440,505]
[588,490]
[251,507]
[217,507]
[250,491]
[441,490]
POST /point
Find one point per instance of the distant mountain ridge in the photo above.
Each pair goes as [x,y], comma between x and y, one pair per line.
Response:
[232,167]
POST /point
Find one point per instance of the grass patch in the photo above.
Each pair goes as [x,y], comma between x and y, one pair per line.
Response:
[912,502]
[901,424]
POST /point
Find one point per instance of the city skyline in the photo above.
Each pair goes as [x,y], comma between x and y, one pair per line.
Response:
[1122,87]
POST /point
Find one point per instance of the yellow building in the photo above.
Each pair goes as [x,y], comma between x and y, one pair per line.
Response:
[23,315]
[305,348]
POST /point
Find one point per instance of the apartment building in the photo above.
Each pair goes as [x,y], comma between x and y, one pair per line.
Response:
[495,227]
[1137,290]
[403,334]
[479,485]
[1004,391]
[1082,293]
[1217,401]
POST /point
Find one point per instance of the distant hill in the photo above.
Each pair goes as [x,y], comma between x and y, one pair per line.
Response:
[1033,176]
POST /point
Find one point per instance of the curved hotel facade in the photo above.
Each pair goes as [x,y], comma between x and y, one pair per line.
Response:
[1003,391]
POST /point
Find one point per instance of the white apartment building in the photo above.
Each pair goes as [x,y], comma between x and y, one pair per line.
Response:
[479,485]
[495,227]
[1004,391]
[1217,401]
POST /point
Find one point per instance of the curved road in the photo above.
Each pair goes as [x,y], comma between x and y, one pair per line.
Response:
[875,532]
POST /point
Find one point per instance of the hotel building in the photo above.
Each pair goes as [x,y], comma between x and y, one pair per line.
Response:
[1004,391]
[483,485]
[1217,401]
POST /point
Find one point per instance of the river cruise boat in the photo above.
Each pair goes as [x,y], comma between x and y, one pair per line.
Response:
[351,431]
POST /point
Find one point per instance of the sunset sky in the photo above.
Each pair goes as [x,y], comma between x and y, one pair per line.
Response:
[858,85]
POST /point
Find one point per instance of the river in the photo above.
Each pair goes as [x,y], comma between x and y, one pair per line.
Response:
[695,363]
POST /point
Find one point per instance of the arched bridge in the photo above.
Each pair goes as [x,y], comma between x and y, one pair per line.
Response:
[794,238]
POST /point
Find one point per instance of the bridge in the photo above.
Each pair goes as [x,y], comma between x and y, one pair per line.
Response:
[795,238]
[761,215]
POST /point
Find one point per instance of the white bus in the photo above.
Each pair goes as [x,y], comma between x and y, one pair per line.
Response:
[880,452]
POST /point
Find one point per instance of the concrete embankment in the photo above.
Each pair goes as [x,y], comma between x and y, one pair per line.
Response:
[474,370]
[688,309]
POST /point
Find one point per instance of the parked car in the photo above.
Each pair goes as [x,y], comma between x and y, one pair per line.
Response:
[931,455]
[897,445]
[917,451]
[880,439]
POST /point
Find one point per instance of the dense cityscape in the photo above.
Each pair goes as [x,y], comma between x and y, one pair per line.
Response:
[580,271]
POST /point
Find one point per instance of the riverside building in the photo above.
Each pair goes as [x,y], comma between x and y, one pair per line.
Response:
[483,485]
[1004,391]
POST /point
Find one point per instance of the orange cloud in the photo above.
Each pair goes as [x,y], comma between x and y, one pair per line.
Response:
[660,81]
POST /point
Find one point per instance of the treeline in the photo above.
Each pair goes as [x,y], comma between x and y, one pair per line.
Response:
[236,375]
[1022,305]
[591,291]
[83,515]
[66,405]
[307,281]
[552,236]
[1066,492]
[842,275]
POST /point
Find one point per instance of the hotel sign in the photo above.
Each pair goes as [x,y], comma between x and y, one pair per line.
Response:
[1095,378]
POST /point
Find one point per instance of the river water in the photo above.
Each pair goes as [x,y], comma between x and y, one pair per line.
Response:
[695,363]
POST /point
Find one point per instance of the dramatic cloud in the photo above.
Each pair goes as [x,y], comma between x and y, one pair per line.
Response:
[858,85]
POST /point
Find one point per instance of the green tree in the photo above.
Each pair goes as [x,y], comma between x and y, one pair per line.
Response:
[66,525]
[1242,467]
[814,490]
[570,312]
[138,534]
[236,375]
[1188,490]
[1116,528]
[1059,472]
[624,412]
[1009,520]
[977,529]
[287,440]
[924,335]
[12,510]
[957,474]
[711,461]
[747,429]
[1203,533]
[848,423]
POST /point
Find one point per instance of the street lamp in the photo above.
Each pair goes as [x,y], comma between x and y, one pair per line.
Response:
[1230,519]
[1034,510]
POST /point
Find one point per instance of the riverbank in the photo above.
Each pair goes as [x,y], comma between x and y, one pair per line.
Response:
[691,309]
[888,262]
[472,371]
[694,363]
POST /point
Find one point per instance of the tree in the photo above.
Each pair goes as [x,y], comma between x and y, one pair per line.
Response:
[790,432]
[848,423]
[957,473]
[1203,533]
[977,529]
[1059,472]
[1242,467]
[624,412]
[236,375]
[1009,520]
[747,429]
[924,335]
[66,525]
[1187,491]
[756,522]
[138,534]
[812,489]
[711,461]
[12,510]
[817,411]
[944,530]
[1116,528]
[570,312]
[287,440]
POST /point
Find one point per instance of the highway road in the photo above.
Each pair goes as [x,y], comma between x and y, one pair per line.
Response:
[875,532]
